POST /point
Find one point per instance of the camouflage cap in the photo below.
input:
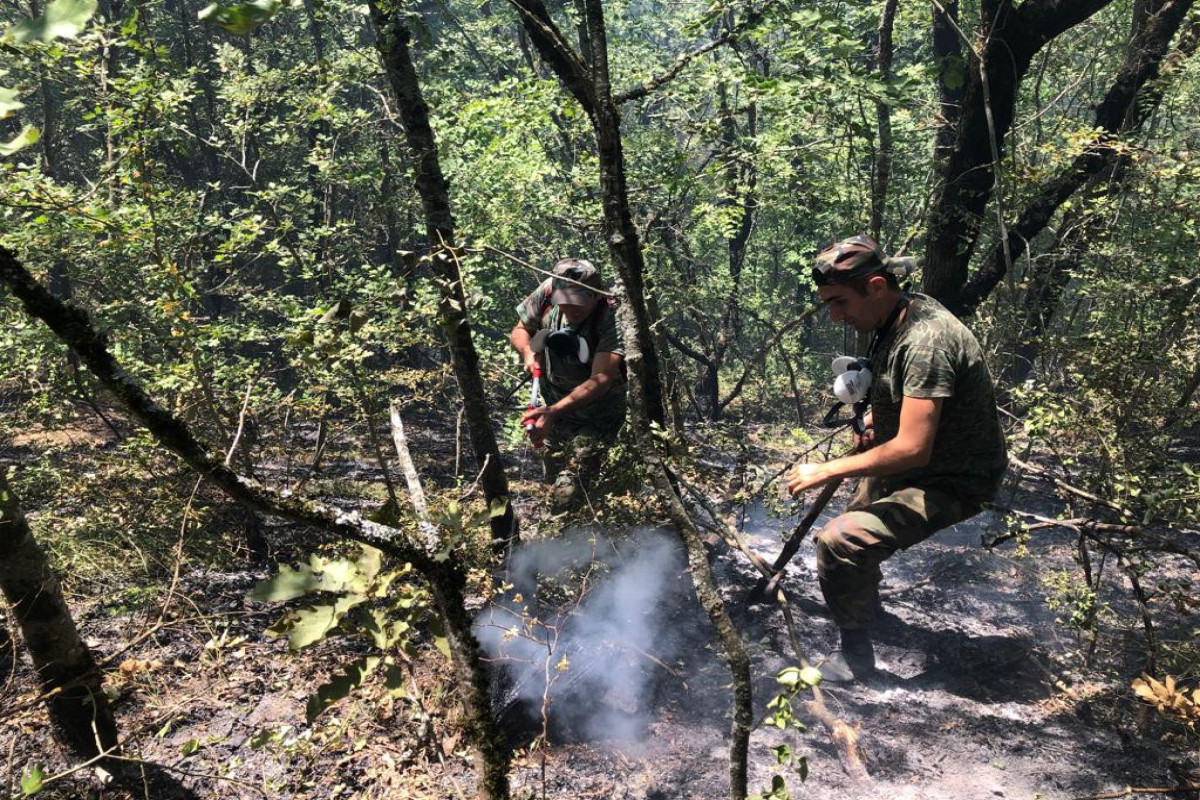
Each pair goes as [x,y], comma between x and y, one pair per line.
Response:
[854,258]
[847,260]
[572,277]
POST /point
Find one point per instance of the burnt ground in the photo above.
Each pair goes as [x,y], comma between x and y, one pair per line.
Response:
[981,693]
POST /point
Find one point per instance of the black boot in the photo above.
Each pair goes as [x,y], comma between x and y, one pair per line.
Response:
[854,661]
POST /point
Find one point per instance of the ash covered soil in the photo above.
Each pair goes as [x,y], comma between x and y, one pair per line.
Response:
[980,694]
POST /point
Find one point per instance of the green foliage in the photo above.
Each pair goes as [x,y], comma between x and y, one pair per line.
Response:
[241,18]
[62,19]
[32,780]
[792,681]
[361,599]
[1073,600]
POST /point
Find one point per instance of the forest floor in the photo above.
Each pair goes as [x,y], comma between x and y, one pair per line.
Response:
[981,693]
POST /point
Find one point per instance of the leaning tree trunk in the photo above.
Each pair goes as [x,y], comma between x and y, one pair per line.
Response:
[1011,36]
[80,716]
[1135,93]
[392,38]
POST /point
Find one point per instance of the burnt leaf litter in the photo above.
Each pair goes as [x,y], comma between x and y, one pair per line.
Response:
[609,682]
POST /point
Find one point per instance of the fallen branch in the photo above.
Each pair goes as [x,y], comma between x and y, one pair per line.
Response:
[1066,487]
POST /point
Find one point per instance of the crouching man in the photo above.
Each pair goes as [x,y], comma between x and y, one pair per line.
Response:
[568,326]
[938,455]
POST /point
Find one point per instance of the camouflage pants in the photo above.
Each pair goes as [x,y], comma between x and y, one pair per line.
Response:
[851,547]
[579,449]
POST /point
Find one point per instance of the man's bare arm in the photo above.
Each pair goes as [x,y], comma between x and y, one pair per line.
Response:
[911,448]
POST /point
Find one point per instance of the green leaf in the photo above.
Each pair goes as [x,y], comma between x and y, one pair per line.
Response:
[439,636]
[26,137]
[63,19]
[287,585]
[498,507]
[9,104]
[369,562]
[310,625]
[339,311]
[393,679]
[810,675]
[189,747]
[32,782]
[341,685]
[336,575]
[241,18]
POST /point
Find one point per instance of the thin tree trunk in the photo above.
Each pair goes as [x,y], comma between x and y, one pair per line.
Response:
[81,718]
[883,119]
[392,37]
[589,84]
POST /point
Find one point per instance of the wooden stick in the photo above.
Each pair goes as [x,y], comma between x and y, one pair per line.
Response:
[766,586]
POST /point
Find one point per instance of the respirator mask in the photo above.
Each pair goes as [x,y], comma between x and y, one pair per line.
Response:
[852,379]
[852,387]
[565,343]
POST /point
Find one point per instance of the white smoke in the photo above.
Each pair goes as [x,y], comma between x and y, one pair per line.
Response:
[589,662]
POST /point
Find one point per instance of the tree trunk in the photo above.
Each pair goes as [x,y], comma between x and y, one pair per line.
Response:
[951,76]
[1012,36]
[1124,107]
[883,119]
[81,718]
[392,37]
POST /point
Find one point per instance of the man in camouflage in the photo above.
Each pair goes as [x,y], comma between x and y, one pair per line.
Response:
[583,386]
[935,455]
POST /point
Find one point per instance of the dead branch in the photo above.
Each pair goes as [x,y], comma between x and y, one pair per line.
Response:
[1066,487]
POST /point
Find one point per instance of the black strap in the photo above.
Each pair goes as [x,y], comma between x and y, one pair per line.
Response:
[882,332]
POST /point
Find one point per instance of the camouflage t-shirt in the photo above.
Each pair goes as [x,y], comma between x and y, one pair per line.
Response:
[931,354]
[563,374]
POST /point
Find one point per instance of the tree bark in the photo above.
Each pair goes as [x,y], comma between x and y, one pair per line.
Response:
[1124,107]
[1012,37]
[951,76]
[883,120]
[392,37]
[81,718]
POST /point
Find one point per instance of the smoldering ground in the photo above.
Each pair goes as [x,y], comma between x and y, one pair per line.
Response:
[581,640]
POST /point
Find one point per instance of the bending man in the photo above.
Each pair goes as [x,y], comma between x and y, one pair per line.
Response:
[572,328]
[938,455]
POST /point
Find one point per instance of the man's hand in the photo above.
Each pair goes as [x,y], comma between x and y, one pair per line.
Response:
[531,361]
[804,476]
[866,440]
[542,421]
